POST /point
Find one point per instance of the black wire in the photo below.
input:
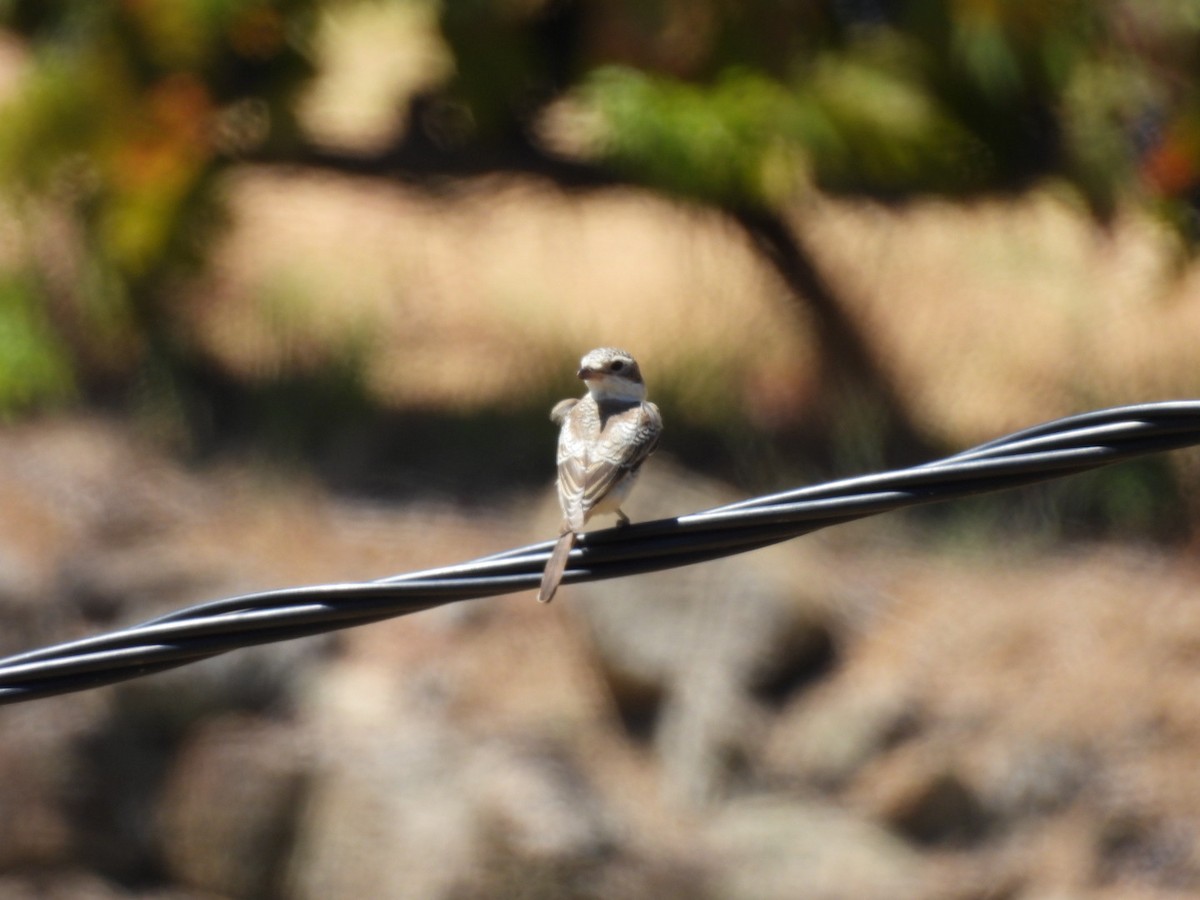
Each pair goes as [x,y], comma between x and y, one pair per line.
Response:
[1051,450]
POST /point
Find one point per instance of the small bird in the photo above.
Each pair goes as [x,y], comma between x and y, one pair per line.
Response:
[605,437]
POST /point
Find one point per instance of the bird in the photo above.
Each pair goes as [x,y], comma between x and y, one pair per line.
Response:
[604,437]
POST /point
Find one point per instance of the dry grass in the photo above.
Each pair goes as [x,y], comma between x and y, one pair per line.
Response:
[988,316]
[1000,313]
[491,293]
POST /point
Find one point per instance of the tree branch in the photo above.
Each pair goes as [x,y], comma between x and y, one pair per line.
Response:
[840,341]
[418,161]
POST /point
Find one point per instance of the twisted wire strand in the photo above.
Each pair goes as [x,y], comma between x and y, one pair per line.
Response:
[1043,452]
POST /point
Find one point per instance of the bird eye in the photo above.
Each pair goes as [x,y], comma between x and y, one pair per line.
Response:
[617,365]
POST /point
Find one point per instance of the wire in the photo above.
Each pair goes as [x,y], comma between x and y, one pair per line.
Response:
[1052,450]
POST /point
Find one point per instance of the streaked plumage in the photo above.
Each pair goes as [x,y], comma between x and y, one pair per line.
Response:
[605,437]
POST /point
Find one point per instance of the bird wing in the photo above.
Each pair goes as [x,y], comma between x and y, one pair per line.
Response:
[561,409]
[594,457]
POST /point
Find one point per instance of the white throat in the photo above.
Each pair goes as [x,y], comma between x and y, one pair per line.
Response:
[612,388]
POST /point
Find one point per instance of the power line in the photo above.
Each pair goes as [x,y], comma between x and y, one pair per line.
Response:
[1052,450]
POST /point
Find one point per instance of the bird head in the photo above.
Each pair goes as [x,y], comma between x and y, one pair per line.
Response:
[612,374]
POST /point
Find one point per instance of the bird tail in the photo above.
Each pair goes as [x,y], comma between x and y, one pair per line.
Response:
[556,566]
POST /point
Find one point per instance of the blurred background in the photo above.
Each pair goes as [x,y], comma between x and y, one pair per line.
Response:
[288,287]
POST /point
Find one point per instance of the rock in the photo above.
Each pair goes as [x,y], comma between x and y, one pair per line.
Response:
[1131,847]
[230,803]
[921,793]
[827,737]
[28,615]
[405,803]
[1036,776]
[106,585]
[779,849]
[37,793]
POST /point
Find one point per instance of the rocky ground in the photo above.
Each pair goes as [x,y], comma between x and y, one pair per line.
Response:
[852,715]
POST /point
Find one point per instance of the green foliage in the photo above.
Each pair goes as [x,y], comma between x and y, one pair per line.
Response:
[124,115]
[746,103]
[721,143]
[847,123]
[946,97]
[35,369]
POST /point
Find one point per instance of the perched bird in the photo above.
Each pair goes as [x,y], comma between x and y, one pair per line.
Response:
[605,437]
